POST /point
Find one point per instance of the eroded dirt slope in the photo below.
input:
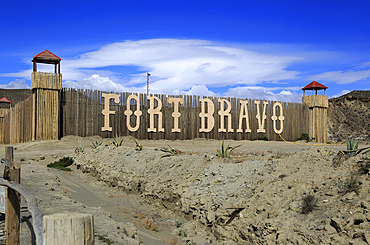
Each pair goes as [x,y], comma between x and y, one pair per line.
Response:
[251,198]
[349,116]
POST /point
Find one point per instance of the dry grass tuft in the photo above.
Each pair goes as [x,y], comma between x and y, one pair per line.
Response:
[150,225]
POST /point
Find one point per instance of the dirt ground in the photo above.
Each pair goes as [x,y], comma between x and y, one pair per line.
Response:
[141,197]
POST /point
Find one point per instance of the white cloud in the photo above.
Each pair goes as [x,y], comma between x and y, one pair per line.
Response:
[200,90]
[181,64]
[264,93]
[342,77]
[341,93]
[17,84]
[96,82]
[26,74]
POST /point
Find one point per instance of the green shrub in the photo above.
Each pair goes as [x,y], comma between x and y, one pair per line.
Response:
[95,144]
[352,147]
[304,137]
[62,164]
[172,151]
[104,238]
[117,141]
[80,149]
[138,147]
[225,152]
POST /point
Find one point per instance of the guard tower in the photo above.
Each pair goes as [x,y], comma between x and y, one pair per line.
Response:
[46,92]
[316,107]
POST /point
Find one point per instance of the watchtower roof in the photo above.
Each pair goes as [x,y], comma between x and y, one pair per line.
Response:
[46,57]
[4,99]
[314,86]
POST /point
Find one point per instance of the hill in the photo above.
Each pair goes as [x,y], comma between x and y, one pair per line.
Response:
[348,116]
[15,95]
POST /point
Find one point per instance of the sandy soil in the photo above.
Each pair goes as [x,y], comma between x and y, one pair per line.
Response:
[126,190]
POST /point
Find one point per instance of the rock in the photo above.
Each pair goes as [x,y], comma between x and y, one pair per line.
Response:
[330,230]
[335,223]
[350,196]
[367,237]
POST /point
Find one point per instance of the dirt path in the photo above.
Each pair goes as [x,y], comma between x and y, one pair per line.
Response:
[121,207]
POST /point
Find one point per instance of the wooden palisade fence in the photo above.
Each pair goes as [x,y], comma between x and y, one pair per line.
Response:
[51,114]
[81,114]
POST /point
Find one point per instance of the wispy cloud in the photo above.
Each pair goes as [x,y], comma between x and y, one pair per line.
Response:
[181,64]
[343,77]
[17,84]
[95,82]
[264,93]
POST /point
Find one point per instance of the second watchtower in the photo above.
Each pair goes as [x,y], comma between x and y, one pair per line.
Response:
[46,92]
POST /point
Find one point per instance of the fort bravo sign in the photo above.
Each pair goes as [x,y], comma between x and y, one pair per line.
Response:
[206,116]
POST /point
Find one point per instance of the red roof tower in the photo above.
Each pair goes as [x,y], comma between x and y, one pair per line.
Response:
[314,86]
[47,57]
[5,100]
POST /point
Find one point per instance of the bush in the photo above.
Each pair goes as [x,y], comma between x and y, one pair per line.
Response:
[352,184]
[304,137]
[309,204]
[62,164]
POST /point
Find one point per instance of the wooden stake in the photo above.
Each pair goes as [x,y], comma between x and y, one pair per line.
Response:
[68,229]
[12,205]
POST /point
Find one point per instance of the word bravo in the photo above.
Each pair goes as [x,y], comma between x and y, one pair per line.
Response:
[207,121]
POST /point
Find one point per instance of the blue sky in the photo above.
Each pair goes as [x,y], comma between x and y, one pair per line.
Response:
[249,49]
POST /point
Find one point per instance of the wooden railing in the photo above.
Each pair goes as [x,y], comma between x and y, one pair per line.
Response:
[44,80]
[32,207]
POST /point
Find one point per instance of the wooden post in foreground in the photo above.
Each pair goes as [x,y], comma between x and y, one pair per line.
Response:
[12,205]
[68,229]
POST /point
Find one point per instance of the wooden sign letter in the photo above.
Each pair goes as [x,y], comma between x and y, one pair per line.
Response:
[261,119]
[209,115]
[224,113]
[106,110]
[137,113]
[153,111]
[281,117]
[243,114]
[176,114]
